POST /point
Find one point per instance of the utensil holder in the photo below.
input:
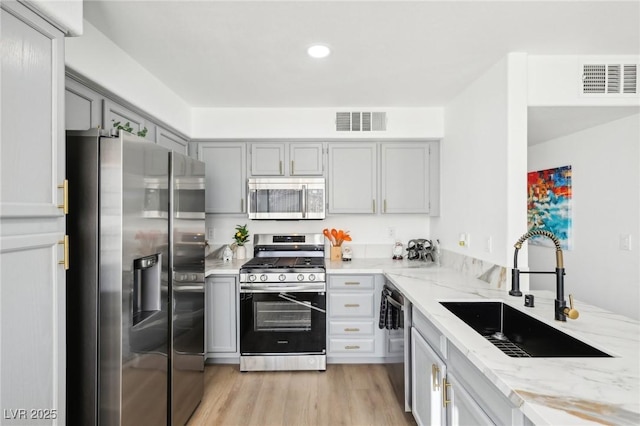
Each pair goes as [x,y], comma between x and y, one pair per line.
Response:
[336,253]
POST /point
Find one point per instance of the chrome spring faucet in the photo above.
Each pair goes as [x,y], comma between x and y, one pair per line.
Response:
[561,309]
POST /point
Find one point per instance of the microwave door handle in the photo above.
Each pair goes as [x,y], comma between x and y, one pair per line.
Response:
[304,201]
[299,302]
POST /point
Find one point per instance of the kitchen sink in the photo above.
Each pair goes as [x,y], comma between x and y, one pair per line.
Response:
[518,334]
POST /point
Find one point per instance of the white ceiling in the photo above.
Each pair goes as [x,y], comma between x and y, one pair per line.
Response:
[384,53]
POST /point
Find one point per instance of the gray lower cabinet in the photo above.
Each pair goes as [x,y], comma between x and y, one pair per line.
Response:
[447,389]
[221,317]
[352,322]
[32,281]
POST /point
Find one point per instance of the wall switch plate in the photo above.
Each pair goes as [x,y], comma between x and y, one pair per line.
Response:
[625,242]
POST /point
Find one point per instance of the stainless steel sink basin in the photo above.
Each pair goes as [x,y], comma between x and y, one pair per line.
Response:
[518,334]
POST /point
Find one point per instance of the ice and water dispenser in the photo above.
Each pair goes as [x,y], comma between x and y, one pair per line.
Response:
[147,298]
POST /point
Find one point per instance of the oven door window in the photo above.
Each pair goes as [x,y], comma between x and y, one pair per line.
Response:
[282,323]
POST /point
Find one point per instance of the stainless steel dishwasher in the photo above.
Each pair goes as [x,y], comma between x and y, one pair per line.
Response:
[395,314]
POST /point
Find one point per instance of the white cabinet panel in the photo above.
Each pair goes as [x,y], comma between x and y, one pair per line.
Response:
[267,159]
[286,159]
[306,159]
[221,310]
[32,116]
[83,106]
[170,140]
[463,410]
[405,171]
[32,292]
[32,323]
[352,304]
[226,176]
[427,374]
[353,177]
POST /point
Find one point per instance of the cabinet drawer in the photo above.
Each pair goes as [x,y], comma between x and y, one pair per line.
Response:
[351,328]
[351,304]
[395,346]
[430,333]
[351,282]
[352,346]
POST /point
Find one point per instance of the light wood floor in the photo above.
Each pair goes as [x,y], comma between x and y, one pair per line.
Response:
[350,394]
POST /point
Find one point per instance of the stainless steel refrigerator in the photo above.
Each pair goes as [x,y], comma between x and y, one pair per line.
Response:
[123,309]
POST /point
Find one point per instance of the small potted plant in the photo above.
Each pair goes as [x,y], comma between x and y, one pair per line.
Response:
[241,236]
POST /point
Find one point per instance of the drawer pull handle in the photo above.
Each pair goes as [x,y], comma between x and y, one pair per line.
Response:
[434,377]
[352,283]
[352,347]
[351,329]
[351,305]
[445,386]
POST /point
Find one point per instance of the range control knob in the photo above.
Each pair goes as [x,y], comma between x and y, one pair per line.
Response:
[300,277]
[263,277]
[282,277]
[312,277]
[252,277]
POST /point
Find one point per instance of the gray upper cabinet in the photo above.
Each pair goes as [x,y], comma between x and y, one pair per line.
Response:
[226,176]
[171,141]
[114,113]
[83,106]
[405,172]
[286,159]
[32,283]
[353,177]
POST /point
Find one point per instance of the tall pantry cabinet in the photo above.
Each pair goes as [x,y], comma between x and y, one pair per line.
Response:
[32,221]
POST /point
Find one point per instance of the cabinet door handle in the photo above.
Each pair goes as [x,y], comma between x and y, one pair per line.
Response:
[292,168]
[280,167]
[351,305]
[352,283]
[241,205]
[65,197]
[445,385]
[352,347]
[373,204]
[385,205]
[65,250]
[351,329]
[435,371]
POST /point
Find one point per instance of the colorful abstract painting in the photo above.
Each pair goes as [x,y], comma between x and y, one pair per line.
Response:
[549,205]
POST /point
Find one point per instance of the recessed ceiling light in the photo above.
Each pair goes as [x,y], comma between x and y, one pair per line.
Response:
[319,51]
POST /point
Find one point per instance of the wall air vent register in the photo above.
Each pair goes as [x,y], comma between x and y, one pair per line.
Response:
[610,79]
[361,121]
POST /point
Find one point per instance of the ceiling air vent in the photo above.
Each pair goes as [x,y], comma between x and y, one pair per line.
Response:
[609,79]
[361,121]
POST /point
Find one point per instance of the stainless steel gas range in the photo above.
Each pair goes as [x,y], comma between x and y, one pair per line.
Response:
[283,304]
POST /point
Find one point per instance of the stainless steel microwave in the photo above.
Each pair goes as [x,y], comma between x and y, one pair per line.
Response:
[286,198]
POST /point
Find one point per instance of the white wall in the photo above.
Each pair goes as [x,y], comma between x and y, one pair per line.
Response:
[100,60]
[556,80]
[483,164]
[369,232]
[311,123]
[605,162]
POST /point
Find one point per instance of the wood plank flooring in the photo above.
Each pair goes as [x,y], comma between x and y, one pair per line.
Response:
[345,394]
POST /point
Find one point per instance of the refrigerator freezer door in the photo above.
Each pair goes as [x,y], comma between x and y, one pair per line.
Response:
[187,289]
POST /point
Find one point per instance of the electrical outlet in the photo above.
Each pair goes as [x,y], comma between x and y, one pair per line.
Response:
[489,244]
[211,233]
[391,232]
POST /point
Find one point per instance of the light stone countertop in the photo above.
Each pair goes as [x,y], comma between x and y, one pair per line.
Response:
[554,391]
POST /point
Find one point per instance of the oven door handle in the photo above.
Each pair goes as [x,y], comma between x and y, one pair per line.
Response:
[299,302]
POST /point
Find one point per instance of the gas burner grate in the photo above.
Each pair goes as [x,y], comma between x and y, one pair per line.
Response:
[508,347]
